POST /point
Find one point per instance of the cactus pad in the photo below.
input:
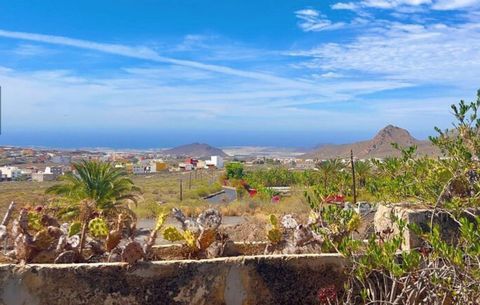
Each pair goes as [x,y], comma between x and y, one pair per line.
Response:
[172,234]
[132,252]
[74,228]
[98,227]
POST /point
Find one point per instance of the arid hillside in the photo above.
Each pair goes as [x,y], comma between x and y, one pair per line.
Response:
[378,147]
[197,150]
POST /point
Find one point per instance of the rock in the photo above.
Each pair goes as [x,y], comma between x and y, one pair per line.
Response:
[385,227]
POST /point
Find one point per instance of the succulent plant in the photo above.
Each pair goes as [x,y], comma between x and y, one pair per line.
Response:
[132,252]
[172,234]
[34,221]
[198,235]
[187,223]
[153,234]
[74,228]
[98,227]
[274,234]
[210,219]
[115,236]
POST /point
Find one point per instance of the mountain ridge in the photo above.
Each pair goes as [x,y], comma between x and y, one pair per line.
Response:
[377,147]
[196,150]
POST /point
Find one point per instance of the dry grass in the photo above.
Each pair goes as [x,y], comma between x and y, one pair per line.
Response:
[24,193]
[161,192]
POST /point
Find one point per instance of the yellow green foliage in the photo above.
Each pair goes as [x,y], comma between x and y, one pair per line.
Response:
[273,220]
[172,234]
[189,238]
[160,221]
[98,227]
[34,221]
[274,234]
[354,223]
[74,228]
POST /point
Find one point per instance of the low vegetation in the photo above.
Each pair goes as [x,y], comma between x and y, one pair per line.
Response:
[89,216]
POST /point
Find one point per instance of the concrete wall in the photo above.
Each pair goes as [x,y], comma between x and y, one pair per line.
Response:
[414,215]
[276,280]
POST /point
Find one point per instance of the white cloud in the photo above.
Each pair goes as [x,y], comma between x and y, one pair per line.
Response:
[405,4]
[32,50]
[313,21]
[345,6]
[434,54]
[455,4]
[150,55]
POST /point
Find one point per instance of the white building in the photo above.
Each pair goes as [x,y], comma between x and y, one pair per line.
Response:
[10,172]
[138,169]
[41,177]
[54,170]
[216,161]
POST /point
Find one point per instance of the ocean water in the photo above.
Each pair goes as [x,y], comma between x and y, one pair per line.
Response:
[161,139]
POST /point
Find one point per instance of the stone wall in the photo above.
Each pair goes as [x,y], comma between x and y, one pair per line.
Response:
[282,279]
[411,214]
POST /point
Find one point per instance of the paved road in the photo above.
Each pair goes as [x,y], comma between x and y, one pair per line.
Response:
[228,195]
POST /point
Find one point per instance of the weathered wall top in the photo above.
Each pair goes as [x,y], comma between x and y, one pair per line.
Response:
[276,279]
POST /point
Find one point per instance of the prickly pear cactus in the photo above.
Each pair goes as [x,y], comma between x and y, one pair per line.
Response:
[160,221]
[23,246]
[43,240]
[74,228]
[206,238]
[34,221]
[210,219]
[274,234]
[288,222]
[189,238]
[22,222]
[172,234]
[98,227]
[153,234]
[132,252]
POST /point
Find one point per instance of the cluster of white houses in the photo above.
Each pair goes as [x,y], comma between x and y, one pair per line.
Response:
[151,166]
[8,173]
[147,166]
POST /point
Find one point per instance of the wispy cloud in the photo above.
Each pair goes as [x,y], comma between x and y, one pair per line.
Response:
[149,54]
[32,50]
[432,54]
[313,21]
[400,4]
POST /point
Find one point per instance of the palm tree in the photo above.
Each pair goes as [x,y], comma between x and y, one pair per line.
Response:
[99,182]
[362,170]
[330,169]
[97,185]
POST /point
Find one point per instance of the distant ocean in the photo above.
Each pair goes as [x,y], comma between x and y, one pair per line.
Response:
[155,140]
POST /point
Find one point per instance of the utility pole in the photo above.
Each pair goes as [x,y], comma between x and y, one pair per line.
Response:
[181,190]
[190,181]
[354,187]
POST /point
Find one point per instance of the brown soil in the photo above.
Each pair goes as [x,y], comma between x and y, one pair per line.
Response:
[253,230]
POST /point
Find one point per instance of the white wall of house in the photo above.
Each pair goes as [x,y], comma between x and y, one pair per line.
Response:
[217,161]
[10,172]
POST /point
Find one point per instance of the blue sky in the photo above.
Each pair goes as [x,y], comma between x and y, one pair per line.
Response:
[284,73]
